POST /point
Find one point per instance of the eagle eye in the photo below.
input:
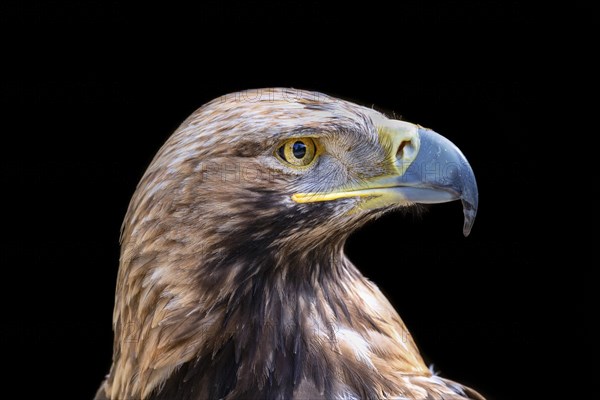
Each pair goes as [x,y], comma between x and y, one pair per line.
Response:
[299,152]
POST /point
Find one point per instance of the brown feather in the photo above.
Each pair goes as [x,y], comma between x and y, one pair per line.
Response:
[226,289]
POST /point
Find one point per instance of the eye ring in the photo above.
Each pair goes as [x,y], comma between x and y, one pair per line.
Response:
[298,152]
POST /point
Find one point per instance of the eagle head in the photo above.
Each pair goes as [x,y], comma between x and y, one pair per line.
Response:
[233,282]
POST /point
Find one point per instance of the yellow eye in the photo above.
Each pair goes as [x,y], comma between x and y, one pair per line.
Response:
[298,152]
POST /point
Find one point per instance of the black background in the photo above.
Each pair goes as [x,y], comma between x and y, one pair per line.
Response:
[93,89]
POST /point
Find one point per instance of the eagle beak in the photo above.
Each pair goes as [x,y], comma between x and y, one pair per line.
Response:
[439,173]
[425,168]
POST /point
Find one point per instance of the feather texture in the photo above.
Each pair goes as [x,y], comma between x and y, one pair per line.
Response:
[229,290]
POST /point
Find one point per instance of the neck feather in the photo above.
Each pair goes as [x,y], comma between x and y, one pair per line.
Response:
[253,323]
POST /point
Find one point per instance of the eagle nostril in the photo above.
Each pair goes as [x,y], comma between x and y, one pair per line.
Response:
[400,152]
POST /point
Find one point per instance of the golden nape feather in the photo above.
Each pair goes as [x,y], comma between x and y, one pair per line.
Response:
[233,283]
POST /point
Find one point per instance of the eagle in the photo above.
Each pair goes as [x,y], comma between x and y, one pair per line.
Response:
[233,282]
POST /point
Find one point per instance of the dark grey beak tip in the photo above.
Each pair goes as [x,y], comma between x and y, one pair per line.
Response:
[469,198]
[469,211]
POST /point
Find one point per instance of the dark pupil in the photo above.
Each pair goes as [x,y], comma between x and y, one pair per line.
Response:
[299,150]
